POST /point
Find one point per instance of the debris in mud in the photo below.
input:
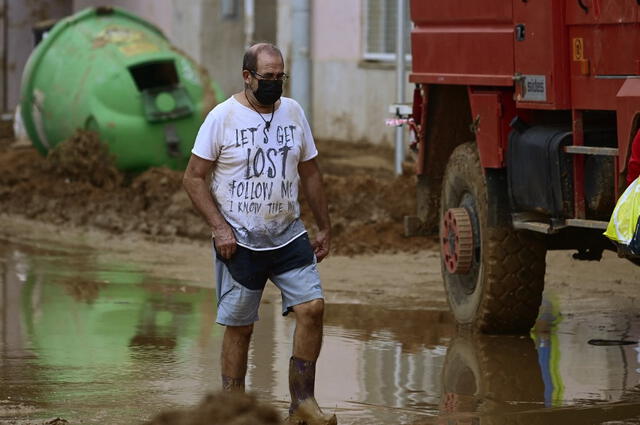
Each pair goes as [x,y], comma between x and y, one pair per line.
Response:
[222,408]
[84,158]
[610,342]
[367,213]
[83,188]
[57,421]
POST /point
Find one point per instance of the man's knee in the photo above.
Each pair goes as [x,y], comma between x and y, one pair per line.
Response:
[311,311]
[239,332]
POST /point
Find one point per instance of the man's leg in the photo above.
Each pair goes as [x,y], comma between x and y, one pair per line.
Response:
[237,311]
[302,292]
[307,341]
[235,349]
[307,338]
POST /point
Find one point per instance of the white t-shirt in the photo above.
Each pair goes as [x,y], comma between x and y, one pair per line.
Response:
[255,176]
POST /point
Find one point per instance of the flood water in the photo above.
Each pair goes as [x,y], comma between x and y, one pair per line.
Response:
[91,341]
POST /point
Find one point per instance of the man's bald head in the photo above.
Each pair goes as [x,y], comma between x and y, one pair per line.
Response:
[250,61]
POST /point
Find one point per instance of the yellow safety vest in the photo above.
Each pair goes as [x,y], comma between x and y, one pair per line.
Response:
[624,220]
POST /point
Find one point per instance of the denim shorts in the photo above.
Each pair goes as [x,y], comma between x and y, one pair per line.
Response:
[241,280]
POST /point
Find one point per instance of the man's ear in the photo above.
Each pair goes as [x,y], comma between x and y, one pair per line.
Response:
[246,76]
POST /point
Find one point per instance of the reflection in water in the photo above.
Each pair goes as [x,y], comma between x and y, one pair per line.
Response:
[556,377]
[81,339]
[402,356]
[96,342]
[484,375]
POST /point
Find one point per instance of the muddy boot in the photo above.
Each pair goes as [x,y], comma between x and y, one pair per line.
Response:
[232,384]
[304,409]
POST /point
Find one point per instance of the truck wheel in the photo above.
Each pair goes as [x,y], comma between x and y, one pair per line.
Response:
[493,275]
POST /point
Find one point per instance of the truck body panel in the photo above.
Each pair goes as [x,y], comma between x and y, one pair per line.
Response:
[549,54]
[447,34]
[540,55]
[491,111]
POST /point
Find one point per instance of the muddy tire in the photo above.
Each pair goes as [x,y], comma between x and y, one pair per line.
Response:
[502,291]
[492,376]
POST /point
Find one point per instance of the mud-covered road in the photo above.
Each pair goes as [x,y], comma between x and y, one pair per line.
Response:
[102,328]
[104,324]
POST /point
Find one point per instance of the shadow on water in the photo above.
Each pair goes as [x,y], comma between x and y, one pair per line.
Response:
[97,342]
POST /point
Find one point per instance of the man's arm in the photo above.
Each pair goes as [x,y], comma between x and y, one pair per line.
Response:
[313,189]
[195,183]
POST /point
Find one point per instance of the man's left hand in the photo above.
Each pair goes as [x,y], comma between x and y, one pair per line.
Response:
[322,244]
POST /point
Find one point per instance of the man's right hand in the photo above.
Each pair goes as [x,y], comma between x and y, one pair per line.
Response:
[225,241]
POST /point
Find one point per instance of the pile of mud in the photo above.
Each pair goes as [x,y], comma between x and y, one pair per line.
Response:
[222,409]
[83,158]
[78,185]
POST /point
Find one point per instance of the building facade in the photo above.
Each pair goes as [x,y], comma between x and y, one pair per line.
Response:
[352,72]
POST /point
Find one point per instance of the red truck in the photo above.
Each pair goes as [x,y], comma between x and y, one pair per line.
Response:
[524,115]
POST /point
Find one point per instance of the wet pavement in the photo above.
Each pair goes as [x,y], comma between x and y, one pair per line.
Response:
[96,341]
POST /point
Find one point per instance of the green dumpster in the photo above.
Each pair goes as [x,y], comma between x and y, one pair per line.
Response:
[106,70]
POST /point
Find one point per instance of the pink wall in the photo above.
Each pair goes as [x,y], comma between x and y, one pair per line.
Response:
[336,30]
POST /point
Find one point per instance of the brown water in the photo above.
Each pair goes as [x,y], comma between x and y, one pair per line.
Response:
[94,341]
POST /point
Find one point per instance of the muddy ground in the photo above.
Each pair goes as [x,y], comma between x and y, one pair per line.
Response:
[77,186]
[147,219]
[78,192]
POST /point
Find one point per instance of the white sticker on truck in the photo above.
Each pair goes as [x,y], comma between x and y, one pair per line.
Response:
[534,88]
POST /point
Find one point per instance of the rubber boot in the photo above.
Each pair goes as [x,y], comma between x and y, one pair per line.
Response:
[304,409]
[230,384]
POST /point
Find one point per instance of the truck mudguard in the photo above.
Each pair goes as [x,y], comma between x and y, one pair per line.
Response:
[539,172]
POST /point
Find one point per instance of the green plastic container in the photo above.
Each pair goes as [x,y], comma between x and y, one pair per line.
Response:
[106,70]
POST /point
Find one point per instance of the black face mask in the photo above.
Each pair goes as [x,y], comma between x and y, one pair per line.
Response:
[268,92]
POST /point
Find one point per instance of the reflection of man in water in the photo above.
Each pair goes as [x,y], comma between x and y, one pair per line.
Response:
[259,147]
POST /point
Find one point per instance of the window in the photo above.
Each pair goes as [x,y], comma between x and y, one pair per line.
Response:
[380,25]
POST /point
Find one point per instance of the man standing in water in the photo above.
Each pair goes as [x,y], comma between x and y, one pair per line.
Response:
[259,147]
